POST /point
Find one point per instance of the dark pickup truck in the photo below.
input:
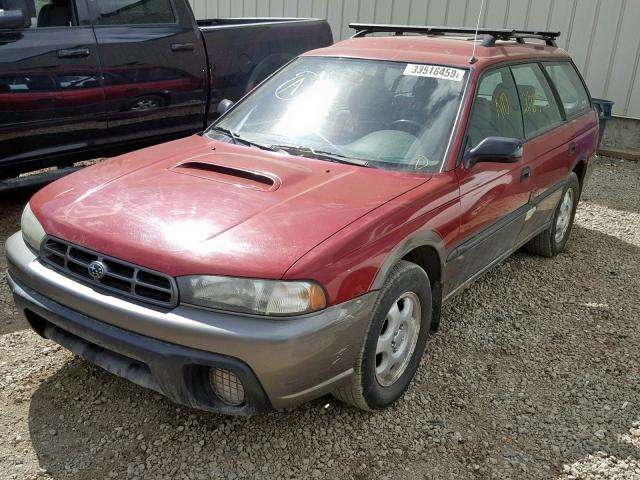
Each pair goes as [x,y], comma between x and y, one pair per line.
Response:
[82,78]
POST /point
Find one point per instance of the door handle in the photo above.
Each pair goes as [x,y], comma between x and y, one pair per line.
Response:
[572,148]
[182,47]
[73,53]
[525,174]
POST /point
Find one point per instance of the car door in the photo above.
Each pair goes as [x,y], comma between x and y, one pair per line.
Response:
[154,67]
[34,122]
[580,128]
[547,140]
[493,196]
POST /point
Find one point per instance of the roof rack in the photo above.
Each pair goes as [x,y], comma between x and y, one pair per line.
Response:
[490,34]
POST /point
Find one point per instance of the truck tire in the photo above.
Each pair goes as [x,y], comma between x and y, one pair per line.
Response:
[553,240]
[394,342]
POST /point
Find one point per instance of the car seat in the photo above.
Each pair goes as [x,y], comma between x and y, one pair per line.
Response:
[480,126]
[505,112]
[370,105]
[535,116]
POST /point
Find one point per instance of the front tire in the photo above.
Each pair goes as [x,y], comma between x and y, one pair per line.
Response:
[395,340]
[553,240]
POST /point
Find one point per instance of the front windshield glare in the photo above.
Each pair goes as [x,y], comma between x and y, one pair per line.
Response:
[381,114]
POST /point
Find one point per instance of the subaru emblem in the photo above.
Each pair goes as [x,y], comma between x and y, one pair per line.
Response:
[97,270]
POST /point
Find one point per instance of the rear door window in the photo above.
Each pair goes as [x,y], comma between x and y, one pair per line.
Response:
[539,107]
[496,109]
[573,95]
[134,12]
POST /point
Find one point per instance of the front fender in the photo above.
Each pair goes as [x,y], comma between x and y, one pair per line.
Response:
[425,238]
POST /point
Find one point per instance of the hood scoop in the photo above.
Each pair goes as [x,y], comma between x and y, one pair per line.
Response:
[227,174]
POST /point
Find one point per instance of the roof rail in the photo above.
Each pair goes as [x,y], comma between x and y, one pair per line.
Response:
[491,34]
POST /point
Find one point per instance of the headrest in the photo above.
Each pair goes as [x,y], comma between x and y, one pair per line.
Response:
[528,98]
[500,101]
[424,86]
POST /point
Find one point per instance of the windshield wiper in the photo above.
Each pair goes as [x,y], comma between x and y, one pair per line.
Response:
[321,154]
[237,139]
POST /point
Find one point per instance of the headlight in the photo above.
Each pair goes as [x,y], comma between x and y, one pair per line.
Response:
[32,231]
[245,295]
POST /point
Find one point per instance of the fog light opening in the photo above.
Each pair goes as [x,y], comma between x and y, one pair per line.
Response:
[227,386]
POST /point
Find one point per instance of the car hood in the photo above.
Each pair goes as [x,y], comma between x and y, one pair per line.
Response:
[194,206]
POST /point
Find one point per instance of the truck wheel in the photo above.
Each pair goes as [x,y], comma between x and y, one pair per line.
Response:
[395,340]
[553,240]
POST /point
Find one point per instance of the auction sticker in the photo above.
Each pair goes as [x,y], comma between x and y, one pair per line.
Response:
[434,71]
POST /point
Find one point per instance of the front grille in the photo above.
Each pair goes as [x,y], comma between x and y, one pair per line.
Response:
[120,277]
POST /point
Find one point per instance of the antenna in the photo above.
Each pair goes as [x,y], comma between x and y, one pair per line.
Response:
[473,58]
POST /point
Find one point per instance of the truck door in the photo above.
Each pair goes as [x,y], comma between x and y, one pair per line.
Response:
[37,66]
[154,66]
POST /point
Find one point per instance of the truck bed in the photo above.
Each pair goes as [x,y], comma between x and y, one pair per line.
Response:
[250,22]
[242,52]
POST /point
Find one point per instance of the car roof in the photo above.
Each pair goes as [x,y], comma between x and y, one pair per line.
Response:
[441,50]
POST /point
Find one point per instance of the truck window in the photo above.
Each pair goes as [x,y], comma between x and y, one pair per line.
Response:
[44,13]
[134,12]
[539,107]
[496,109]
[570,87]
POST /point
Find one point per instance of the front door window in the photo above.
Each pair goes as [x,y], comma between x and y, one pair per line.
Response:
[496,109]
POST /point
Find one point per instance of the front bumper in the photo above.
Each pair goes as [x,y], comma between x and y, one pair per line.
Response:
[281,362]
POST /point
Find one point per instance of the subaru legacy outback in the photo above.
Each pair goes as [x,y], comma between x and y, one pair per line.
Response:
[305,242]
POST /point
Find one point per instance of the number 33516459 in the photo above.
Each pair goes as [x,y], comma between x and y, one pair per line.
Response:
[434,71]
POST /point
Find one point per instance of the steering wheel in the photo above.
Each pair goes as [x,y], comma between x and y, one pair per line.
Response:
[406,125]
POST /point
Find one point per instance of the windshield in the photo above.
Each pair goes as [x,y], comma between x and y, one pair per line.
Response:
[373,113]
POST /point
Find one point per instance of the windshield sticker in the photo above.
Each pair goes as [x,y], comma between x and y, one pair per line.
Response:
[434,71]
[296,85]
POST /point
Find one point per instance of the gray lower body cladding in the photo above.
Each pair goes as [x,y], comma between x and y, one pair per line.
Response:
[281,361]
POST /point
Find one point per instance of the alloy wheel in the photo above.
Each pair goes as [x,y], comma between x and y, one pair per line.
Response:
[564,215]
[398,338]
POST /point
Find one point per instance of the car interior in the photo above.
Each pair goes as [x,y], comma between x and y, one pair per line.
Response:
[496,116]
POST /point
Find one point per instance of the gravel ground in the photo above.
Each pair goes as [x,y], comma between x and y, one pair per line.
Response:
[535,373]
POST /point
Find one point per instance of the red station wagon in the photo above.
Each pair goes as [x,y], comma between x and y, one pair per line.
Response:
[305,242]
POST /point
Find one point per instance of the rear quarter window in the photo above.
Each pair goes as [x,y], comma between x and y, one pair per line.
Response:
[568,83]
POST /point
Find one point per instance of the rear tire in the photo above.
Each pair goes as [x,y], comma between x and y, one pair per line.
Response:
[395,340]
[553,240]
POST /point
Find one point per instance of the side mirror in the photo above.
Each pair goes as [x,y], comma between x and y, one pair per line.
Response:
[494,149]
[12,19]
[224,105]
